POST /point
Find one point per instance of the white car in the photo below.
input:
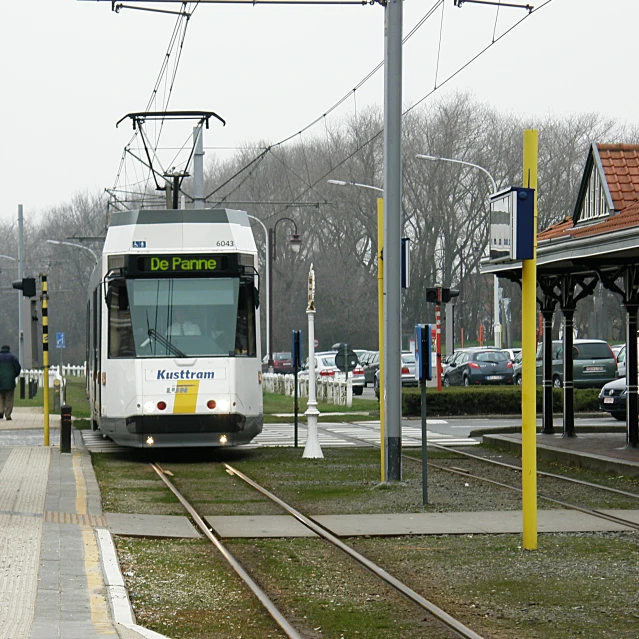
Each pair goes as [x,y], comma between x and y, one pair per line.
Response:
[325,367]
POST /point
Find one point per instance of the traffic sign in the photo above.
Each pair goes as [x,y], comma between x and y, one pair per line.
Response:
[59,340]
[346,357]
[316,342]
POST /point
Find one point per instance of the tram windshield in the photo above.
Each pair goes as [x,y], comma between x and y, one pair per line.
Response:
[182,318]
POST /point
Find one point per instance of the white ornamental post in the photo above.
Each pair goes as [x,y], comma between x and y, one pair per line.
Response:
[312,450]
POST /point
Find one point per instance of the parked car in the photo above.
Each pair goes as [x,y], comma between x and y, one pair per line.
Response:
[621,359]
[325,367]
[594,363]
[479,366]
[517,369]
[282,363]
[612,398]
[370,366]
[408,369]
[512,352]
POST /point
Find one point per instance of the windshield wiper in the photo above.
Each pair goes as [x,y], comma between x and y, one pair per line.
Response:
[166,343]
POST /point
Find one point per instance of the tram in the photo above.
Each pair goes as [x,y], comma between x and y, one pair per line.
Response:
[173,346]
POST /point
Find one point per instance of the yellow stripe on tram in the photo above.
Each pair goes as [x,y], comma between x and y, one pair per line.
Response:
[186,396]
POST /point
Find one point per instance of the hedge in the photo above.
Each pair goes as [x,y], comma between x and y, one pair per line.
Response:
[489,400]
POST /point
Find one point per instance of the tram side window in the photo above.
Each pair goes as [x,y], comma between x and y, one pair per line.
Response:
[120,328]
[245,342]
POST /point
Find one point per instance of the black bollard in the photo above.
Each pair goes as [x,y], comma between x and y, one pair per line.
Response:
[22,387]
[65,429]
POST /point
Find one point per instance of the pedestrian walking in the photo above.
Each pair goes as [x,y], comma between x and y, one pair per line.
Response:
[9,369]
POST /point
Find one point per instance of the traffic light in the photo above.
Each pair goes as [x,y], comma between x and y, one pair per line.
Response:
[27,285]
[431,295]
[448,293]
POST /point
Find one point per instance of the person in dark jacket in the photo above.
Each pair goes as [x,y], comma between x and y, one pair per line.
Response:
[9,369]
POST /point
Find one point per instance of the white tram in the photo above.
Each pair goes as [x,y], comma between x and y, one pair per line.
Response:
[173,347]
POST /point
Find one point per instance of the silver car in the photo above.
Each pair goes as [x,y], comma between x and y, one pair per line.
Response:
[408,371]
[325,367]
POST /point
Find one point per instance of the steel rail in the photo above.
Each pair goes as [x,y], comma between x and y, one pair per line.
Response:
[409,593]
[540,473]
[588,511]
[257,591]
[594,513]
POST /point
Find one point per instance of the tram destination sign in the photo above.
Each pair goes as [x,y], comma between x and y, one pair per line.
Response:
[177,264]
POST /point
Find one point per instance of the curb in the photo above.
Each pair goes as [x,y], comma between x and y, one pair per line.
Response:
[116,589]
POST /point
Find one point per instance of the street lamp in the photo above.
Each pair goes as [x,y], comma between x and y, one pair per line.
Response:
[86,248]
[437,158]
[268,278]
[295,243]
[363,186]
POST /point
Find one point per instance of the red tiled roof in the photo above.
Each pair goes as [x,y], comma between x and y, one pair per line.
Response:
[626,219]
[620,163]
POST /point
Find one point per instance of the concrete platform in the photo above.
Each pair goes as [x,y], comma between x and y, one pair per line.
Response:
[603,452]
[28,417]
[150,526]
[388,525]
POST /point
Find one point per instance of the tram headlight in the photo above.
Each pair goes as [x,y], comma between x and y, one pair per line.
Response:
[223,405]
[224,439]
[149,407]
[150,441]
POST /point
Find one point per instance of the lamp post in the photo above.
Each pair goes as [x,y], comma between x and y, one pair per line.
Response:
[295,243]
[380,315]
[497,323]
[86,248]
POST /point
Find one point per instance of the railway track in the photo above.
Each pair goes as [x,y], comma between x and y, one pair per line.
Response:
[456,627]
[588,511]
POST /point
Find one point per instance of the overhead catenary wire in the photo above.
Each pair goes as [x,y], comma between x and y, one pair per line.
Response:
[183,19]
[425,97]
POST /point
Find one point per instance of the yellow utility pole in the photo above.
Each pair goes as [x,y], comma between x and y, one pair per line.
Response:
[45,355]
[528,347]
[380,316]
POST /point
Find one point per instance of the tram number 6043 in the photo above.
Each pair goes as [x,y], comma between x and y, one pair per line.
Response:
[225,243]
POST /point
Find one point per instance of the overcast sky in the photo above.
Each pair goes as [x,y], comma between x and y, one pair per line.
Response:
[71,69]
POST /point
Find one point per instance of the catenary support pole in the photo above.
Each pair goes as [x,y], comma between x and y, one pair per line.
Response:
[392,235]
[198,167]
[20,276]
[528,373]
[45,355]
[380,332]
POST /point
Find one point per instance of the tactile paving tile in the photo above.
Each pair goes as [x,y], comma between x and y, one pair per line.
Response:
[20,538]
[23,480]
[74,518]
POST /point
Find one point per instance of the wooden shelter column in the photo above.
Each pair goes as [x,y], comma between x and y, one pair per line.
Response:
[630,295]
[569,298]
[632,375]
[569,387]
[547,427]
